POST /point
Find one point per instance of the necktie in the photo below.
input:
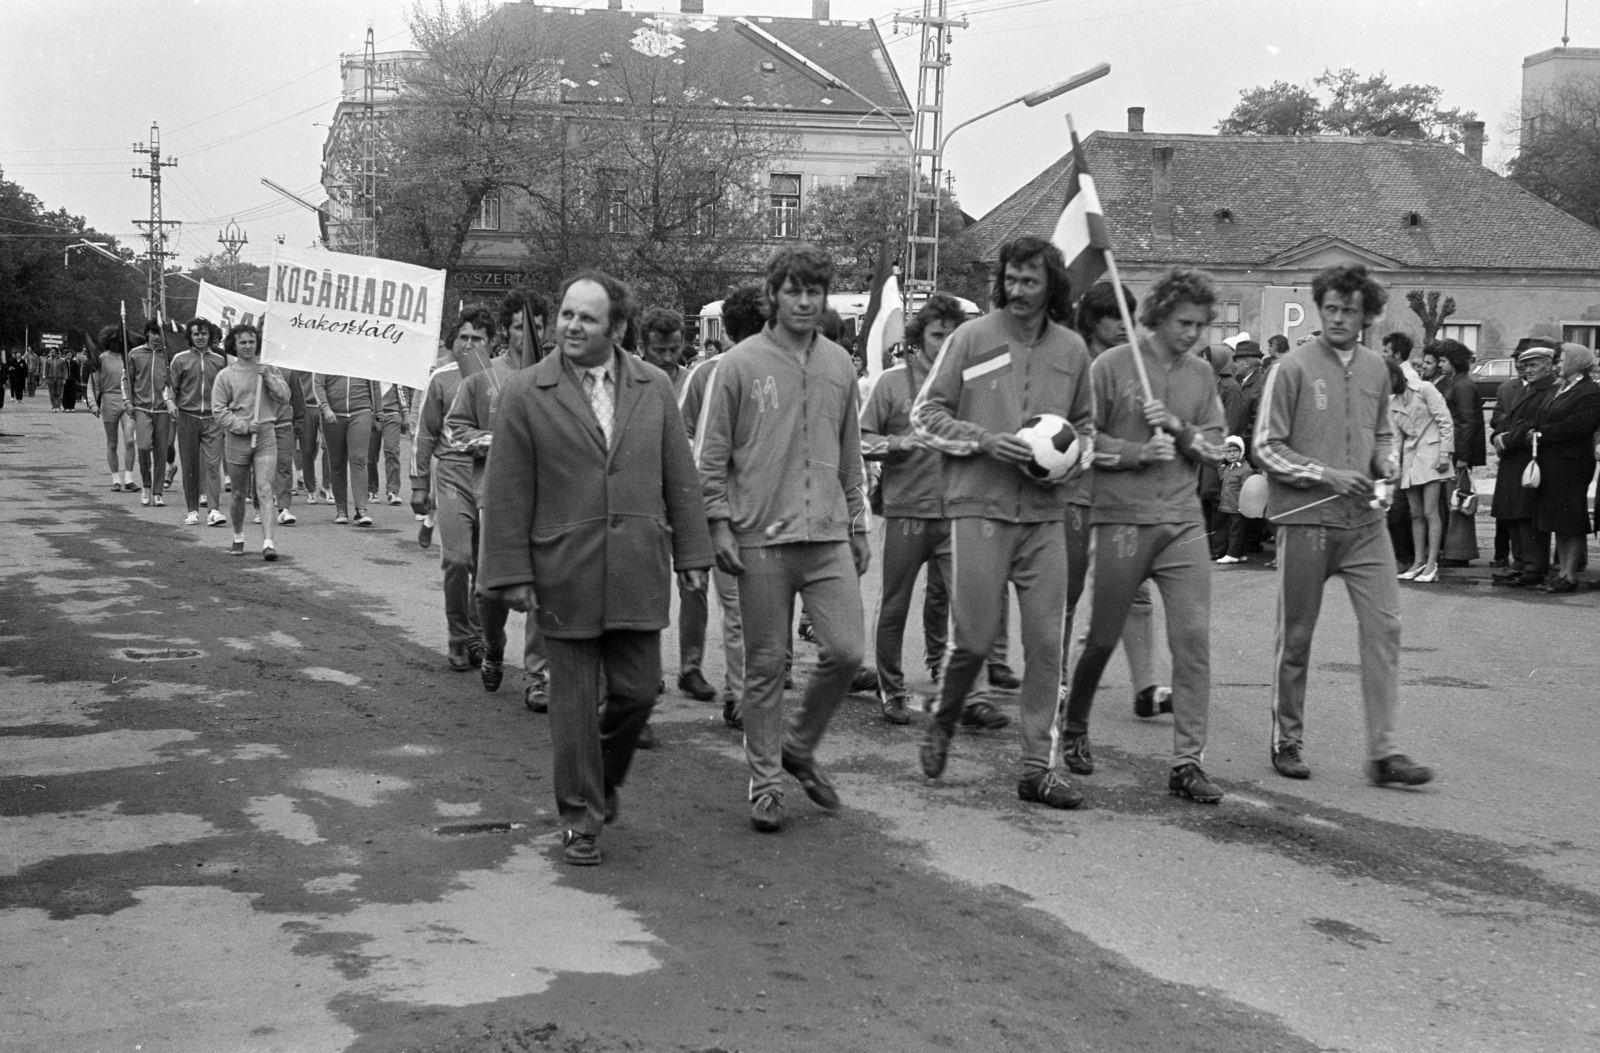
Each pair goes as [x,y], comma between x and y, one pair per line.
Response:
[597,383]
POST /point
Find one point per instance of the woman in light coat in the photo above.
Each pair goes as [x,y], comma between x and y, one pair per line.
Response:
[1426,436]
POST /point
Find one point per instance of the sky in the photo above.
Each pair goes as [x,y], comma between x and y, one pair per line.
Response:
[245,84]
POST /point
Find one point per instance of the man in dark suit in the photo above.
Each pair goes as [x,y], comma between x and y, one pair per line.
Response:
[591,501]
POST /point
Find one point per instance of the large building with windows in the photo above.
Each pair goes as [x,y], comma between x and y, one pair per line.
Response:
[1264,213]
[832,136]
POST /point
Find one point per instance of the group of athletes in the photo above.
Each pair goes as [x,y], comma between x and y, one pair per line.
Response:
[573,481]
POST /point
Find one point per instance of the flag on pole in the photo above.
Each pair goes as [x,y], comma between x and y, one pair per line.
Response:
[1080,233]
[883,325]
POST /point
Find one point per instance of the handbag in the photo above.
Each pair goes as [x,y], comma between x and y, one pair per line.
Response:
[1530,474]
[1464,498]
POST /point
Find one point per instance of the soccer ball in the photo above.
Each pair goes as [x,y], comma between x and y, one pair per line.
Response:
[1055,447]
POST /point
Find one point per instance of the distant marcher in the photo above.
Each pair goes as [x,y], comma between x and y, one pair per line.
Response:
[55,377]
[35,370]
[347,405]
[1425,437]
[146,390]
[200,435]
[1514,503]
[17,374]
[246,399]
[383,446]
[1564,428]
[106,401]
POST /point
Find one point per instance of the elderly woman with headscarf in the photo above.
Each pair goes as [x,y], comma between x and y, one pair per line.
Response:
[1564,428]
[1426,435]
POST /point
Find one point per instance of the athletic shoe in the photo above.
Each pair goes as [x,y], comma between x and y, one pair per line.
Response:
[237,548]
[1076,754]
[1189,781]
[159,501]
[286,517]
[327,496]
[424,533]
[1152,700]
[205,502]
[730,713]
[536,695]
[268,552]
[394,498]
[579,850]
[934,669]
[362,519]
[812,781]
[1049,787]
[172,473]
[1398,770]
[216,519]
[492,672]
[894,709]
[865,682]
[311,497]
[1002,677]
[475,652]
[116,486]
[1287,760]
[983,716]
[806,631]
[131,487]
[766,813]
[192,519]
[935,750]
[340,519]
[372,496]
[693,683]
[1231,559]
[256,519]
[647,738]
[460,659]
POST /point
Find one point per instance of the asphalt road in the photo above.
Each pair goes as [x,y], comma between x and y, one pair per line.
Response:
[246,807]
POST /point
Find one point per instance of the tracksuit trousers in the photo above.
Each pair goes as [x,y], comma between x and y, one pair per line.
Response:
[383,452]
[347,451]
[1032,557]
[592,756]
[1176,557]
[151,432]
[1307,557]
[456,515]
[823,574]
[1138,635]
[200,454]
[694,615]
[908,544]
[310,427]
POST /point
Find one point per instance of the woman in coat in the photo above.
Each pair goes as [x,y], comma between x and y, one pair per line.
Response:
[1564,427]
[1426,435]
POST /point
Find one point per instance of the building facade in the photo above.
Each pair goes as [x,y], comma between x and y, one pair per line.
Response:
[830,137]
[1264,213]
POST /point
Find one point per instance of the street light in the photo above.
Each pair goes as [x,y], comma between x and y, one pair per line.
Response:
[1034,98]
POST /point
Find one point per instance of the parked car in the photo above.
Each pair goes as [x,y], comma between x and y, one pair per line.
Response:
[1489,374]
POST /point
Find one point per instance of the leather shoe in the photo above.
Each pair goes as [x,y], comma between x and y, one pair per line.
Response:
[460,658]
[647,739]
[935,750]
[816,785]
[1398,770]
[983,715]
[1288,763]
[1002,677]
[579,850]
[1076,755]
[894,710]
[730,713]
[766,813]
[693,683]
[492,672]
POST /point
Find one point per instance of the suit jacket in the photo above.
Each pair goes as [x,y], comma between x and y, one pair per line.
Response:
[596,531]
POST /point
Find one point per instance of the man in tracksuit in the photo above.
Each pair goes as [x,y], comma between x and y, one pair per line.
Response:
[1147,519]
[1322,437]
[347,405]
[780,456]
[383,446]
[145,388]
[55,377]
[192,376]
[452,486]
[993,374]
[915,530]
[469,429]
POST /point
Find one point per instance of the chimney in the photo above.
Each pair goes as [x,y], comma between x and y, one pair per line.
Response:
[1136,118]
[1161,197]
[693,7]
[1472,141]
[819,10]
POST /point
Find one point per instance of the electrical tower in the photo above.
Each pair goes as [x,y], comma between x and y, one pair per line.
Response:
[920,273]
[233,239]
[155,228]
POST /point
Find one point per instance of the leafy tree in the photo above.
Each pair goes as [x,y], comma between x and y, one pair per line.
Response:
[183,290]
[1559,159]
[1279,109]
[1427,307]
[1350,105]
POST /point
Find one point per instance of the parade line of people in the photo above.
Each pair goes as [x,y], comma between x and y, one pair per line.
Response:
[576,481]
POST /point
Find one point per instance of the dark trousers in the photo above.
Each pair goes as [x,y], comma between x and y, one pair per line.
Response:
[1504,540]
[383,451]
[1534,548]
[347,452]
[55,392]
[1399,525]
[310,427]
[592,756]
[908,545]
[152,432]
[200,441]
[1216,522]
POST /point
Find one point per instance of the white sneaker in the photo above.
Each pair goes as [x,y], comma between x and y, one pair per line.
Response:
[256,518]
[311,498]
[204,501]
[216,519]
[286,517]
[192,519]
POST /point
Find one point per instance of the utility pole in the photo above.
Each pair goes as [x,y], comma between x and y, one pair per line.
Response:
[367,210]
[920,275]
[155,228]
[233,239]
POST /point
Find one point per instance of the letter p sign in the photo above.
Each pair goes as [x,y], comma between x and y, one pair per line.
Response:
[1293,315]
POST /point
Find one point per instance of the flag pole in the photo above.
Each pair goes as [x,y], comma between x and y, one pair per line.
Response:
[1122,303]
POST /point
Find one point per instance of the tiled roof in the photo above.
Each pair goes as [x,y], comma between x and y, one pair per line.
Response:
[593,45]
[1282,192]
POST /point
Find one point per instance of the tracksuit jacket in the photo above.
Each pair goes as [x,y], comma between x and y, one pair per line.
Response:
[455,467]
[346,395]
[990,377]
[1338,417]
[192,376]
[913,478]
[469,422]
[145,379]
[780,444]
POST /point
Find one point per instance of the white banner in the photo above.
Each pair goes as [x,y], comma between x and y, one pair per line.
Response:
[354,316]
[228,309]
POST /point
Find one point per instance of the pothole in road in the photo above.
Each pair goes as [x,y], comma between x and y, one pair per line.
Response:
[457,829]
[159,654]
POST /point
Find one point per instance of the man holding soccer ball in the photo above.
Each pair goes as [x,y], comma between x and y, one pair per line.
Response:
[1146,515]
[993,375]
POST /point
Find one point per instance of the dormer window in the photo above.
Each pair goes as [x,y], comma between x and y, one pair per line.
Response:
[1413,219]
[1223,215]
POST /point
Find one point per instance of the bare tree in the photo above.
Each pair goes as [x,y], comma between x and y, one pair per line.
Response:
[1559,155]
[1426,306]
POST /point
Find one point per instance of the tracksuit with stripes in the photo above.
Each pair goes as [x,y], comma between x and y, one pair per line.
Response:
[1148,524]
[991,376]
[693,607]
[192,374]
[454,501]
[1319,412]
